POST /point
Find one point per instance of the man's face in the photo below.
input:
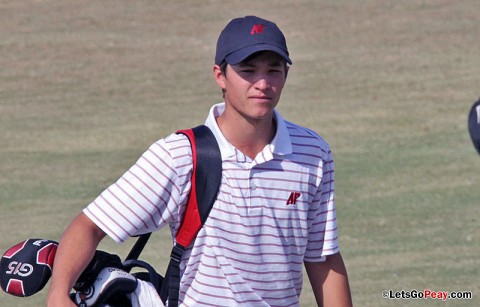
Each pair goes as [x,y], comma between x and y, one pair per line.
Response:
[253,87]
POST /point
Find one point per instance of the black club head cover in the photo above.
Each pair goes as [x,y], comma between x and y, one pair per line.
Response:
[26,267]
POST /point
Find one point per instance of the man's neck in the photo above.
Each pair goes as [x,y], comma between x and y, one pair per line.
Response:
[250,137]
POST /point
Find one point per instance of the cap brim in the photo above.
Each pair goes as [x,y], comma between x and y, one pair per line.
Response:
[238,56]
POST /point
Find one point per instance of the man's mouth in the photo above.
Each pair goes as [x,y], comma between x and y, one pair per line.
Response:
[260,98]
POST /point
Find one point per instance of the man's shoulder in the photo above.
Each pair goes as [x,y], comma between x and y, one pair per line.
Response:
[304,136]
[175,146]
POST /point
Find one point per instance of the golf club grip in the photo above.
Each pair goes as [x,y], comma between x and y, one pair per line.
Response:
[138,247]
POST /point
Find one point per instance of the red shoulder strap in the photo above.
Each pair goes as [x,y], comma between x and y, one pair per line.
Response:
[191,223]
[206,179]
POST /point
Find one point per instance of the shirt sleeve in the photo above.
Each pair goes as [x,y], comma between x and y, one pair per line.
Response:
[323,234]
[149,195]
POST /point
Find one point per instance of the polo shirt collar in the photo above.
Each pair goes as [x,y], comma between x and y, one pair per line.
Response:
[280,145]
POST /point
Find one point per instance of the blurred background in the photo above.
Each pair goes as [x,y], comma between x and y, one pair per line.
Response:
[87,86]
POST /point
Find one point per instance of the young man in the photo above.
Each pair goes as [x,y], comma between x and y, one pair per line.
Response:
[275,209]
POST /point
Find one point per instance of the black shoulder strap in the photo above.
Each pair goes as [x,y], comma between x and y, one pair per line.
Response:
[206,178]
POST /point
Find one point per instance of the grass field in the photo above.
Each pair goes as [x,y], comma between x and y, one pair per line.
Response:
[87,86]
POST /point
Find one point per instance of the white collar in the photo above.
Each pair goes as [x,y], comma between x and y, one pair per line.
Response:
[280,145]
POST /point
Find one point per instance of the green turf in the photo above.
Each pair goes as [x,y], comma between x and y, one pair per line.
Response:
[86,87]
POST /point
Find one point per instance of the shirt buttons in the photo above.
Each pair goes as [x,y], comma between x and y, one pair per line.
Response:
[253,186]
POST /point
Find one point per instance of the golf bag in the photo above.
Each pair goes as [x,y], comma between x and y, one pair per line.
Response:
[26,267]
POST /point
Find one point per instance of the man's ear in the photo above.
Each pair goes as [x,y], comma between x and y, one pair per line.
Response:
[287,68]
[219,76]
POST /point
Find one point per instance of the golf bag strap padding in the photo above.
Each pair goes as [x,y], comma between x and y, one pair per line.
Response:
[206,178]
[208,174]
[205,181]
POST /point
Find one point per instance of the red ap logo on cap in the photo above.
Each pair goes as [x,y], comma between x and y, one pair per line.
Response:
[256,29]
[26,267]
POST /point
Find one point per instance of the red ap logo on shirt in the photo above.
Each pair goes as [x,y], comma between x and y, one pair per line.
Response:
[292,200]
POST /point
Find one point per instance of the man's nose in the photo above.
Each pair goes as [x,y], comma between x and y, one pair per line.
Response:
[262,82]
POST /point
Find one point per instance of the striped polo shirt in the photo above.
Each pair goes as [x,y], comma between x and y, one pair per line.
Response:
[271,214]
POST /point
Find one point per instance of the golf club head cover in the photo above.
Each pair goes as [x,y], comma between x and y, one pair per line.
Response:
[474,125]
[100,260]
[149,275]
[145,295]
[26,267]
[110,283]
